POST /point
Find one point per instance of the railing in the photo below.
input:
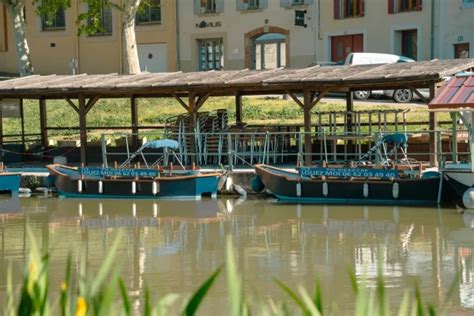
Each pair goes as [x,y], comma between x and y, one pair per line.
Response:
[279,148]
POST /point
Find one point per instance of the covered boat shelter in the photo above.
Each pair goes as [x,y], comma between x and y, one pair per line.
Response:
[191,90]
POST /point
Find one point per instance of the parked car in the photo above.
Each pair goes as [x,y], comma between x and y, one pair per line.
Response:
[399,95]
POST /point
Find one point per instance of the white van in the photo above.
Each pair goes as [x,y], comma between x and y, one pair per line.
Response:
[375,58]
[399,95]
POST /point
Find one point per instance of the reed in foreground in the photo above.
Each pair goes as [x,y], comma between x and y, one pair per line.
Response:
[106,294]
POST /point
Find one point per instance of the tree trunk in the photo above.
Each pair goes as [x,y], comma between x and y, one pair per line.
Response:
[130,53]
[19,27]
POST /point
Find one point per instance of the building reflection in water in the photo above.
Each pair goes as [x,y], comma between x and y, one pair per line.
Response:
[172,246]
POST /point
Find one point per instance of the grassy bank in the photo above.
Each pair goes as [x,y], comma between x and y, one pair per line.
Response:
[116,112]
[83,292]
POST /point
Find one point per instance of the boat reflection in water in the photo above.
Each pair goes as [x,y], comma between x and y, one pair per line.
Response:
[176,245]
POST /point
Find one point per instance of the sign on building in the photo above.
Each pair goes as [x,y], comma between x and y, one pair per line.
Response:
[10,108]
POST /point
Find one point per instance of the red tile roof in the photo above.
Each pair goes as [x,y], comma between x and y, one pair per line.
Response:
[457,93]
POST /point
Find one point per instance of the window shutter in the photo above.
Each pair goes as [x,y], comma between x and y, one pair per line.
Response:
[285,3]
[263,4]
[336,10]
[361,7]
[418,5]
[197,7]
[219,5]
[240,5]
[308,1]
[391,6]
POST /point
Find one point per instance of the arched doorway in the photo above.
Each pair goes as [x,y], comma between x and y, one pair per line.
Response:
[267,48]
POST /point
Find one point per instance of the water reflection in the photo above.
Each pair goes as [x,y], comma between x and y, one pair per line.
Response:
[174,245]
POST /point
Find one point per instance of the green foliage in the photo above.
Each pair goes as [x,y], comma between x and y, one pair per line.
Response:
[49,8]
[98,293]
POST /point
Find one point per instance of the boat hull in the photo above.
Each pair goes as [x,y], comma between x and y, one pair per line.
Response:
[291,188]
[182,187]
[10,182]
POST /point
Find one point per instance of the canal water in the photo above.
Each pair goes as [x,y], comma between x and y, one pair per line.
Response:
[173,246]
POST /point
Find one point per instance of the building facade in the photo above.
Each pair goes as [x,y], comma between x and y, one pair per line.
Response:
[199,35]
[56,48]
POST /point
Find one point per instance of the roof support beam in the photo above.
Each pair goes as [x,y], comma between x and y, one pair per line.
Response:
[201,100]
[91,103]
[321,95]
[181,102]
[415,91]
[74,106]
[297,101]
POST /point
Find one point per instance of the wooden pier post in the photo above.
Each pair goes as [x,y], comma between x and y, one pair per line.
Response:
[192,110]
[22,122]
[43,122]
[308,150]
[134,119]
[238,109]
[433,142]
[83,129]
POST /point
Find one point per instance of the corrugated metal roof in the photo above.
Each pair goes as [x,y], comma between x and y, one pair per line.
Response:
[230,82]
[457,93]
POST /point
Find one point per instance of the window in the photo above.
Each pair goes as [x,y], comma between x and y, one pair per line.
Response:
[290,3]
[211,54]
[208,6]
[149,12]
[468,3]
[105,20]
[55,21]
[244,5]
[269,51]
[348,9]
[461,50]
[396,6]
[409,43]
[252,4]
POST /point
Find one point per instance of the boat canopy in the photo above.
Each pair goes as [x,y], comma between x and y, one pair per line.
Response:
[162,143]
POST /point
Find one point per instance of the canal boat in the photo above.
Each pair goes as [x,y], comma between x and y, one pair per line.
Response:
[457,98]
[134,182]
[322,185]
[74,182]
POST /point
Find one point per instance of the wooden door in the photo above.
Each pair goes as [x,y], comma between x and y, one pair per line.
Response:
[461,50]
[342,45]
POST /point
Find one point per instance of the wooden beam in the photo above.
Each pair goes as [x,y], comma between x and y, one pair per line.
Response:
[308,147]
[415,91]
[201,100]
[91,103]
[83,128]
[183,104]
[43,122]
[433,141]
[321,95]
[134,117]
[238,109]
[22,122]
[295,99]
[192,110]
[69,101]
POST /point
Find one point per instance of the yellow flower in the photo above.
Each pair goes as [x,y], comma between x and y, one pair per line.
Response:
[81,306]
[63,286]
